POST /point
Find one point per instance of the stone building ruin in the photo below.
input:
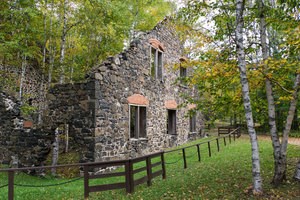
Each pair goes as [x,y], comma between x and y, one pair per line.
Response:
[129,105]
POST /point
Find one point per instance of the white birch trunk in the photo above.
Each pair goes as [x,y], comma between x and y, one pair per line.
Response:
[279,164]
[63,45]
[55,152]
[41,92]
[45,36]
[66,138]
[72,71]
[289,119]
[257,181]
[51,59]
[291,113]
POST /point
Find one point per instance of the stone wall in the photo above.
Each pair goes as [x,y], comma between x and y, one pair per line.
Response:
[28,147]
[127,74]
[74,104]
[34,86]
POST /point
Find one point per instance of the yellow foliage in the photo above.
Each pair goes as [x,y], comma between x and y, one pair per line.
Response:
[285,98]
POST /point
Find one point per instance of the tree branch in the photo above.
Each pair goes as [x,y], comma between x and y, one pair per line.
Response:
[274,81]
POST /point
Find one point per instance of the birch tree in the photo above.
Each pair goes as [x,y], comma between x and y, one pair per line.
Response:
[269,92]
[225,49]
[239,35]
[55,151]
[279,148]
[63,42]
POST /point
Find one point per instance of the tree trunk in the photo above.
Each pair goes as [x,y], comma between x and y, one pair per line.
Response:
[41,93]
[63,45]
[257,181]
[279,162]
[23,72]
[297,172]
[51,54]
[45,37]
[290,117]
[66,138]
[55,151]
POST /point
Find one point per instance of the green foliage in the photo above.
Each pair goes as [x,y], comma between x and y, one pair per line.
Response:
[27,110]
[94,30]
[209,33]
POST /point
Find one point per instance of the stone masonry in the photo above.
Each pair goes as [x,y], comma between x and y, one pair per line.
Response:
[129,105]
[27,147]
[98,111]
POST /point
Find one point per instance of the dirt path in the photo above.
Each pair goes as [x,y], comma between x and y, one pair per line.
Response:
[295,141]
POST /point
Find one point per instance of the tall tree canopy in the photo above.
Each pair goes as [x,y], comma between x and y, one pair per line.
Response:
[65,38]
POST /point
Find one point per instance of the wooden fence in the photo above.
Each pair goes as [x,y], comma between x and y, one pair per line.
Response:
[130,181]
[128,174]
[228,129]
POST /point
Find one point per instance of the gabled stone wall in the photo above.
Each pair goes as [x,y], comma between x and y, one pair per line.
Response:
[127,74]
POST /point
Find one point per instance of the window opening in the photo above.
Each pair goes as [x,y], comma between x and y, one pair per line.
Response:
[171,122]
[137,121]
[193,123]
[182,72]
[153,61]
[156,63]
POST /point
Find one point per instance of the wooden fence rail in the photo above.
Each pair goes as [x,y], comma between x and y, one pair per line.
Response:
[128,174]
[130,181]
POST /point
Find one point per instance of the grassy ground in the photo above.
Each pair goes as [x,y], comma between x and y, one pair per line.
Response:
[226,175]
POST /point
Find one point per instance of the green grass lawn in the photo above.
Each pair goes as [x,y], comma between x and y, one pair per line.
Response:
[226,175]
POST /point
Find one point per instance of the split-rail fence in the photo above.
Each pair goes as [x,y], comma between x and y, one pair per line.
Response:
[128,164]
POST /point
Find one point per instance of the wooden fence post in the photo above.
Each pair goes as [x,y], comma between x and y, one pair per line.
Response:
[163,166]
[229,138]
[184,158]
[218,146]
[224,141]
[11,175]
[209,150]
[149,170]
[129,176]
[198,150]
[86,181]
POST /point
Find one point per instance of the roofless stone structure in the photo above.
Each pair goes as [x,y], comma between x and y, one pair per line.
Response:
[129,105]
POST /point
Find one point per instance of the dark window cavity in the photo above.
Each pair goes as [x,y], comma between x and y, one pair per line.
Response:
[137,121]
[182,72]
[171,122]
[156,63]
[193,123]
